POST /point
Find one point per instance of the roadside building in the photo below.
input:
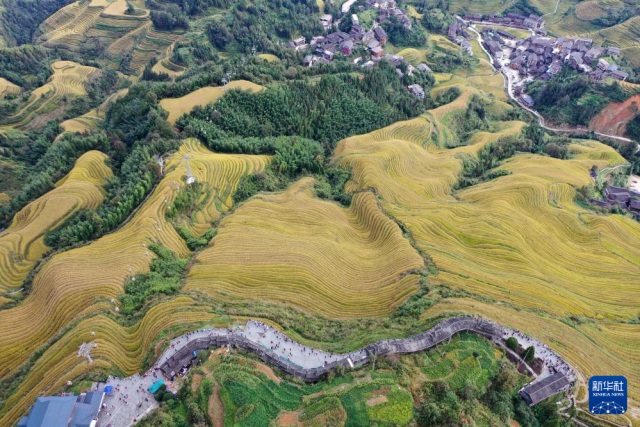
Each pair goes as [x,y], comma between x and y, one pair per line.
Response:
[380,34]
[326,21]
[65,411]
[416,90]
[527,100]
[603,64]
[547,387]
[347,47]
[619,75]
[613,51]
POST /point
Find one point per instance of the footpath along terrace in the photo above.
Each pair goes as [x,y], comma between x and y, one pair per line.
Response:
[131,400]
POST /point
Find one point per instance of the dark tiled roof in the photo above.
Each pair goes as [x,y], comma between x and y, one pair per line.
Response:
[544,388]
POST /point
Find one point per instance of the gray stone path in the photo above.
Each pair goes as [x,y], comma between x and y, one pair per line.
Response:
[131,401]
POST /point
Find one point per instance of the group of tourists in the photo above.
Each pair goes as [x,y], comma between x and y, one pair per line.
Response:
[552,361]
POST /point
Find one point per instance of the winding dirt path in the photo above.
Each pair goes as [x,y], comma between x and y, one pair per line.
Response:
[216,409]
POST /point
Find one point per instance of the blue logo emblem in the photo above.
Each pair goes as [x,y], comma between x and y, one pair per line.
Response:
[608,395]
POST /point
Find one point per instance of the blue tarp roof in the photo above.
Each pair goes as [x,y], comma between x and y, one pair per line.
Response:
[108,389]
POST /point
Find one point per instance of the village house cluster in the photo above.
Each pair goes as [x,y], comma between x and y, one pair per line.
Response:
[324,47]
[536,57]
[458,34]
[622,198]
[540,58]
[531,22]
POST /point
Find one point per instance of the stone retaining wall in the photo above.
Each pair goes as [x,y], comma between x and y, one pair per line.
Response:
[443,331]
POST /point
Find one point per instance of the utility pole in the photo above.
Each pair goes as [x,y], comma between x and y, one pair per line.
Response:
[190,178]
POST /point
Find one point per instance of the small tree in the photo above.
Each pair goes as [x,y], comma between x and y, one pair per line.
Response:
[529,354]
[512,343]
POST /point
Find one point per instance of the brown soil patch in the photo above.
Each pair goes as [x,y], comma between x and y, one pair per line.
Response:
[377,400]
[313,395]
[216,410]
[614,117]
[289,419]
[195,382]
[514,423]
[268,371]
[383,391]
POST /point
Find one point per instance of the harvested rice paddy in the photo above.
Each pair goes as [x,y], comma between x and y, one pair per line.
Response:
[292,247]
[201,97]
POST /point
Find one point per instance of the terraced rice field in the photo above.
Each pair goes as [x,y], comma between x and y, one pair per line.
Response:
[268,57]
[118,8]
[143,43]
[90,121]
[67,27]
[413,55]
[68,79]
[592,347]
[590,10]
[7,88]
[414,13]
[443,42]
[292,247]
[474,6]
[164,64]
[80,282]
[629,87]
[201,97]
[626,34]
[119,348]
[82,25]
[434,124]
[519,239]
[21,245]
